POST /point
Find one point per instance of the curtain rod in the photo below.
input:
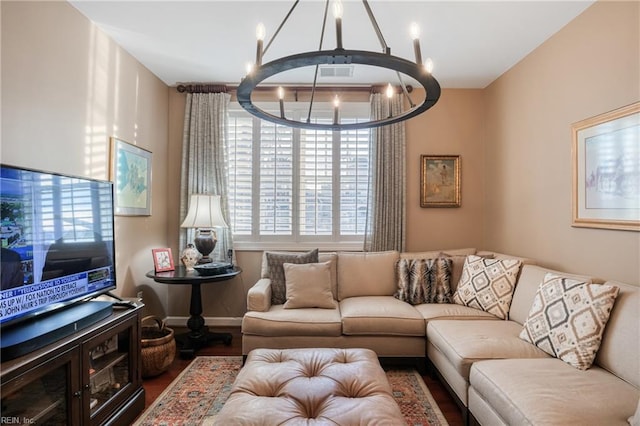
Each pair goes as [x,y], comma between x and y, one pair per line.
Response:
[202,88]
[216,88]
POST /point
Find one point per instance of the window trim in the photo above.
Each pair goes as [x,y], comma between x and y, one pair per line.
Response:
[256,242]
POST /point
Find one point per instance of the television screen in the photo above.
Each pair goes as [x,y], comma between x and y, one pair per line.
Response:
[57,241]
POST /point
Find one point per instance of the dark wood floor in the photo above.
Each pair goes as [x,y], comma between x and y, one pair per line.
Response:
[154,386]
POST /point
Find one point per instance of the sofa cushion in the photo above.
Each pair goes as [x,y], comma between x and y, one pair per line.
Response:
[548,391]
[380,315]
[488,284]
[278,321]
[568,317]
[635,419]
[528,283]
[366,274]
[437,253]
[308,286]
[424,280]
[465,342]
[622,332]
[452,311]
[276,271]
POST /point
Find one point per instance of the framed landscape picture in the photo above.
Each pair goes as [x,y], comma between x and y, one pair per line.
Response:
[440,181]
[131,175]
[606,170]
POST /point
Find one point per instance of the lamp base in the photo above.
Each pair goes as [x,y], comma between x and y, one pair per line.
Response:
[205,242]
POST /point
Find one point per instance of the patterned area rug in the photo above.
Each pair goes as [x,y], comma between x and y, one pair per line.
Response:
[199,392]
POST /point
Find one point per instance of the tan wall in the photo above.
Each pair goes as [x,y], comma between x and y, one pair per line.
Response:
[589,67]
[67,87]
[454,126]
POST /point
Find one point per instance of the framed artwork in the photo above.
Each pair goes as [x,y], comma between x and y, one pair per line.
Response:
[440,181]
[606,170]
[131,175]
[162,259]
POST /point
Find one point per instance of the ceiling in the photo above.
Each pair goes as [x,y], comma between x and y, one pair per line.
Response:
[471,42]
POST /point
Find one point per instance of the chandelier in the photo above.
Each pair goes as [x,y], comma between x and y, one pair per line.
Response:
[259,72]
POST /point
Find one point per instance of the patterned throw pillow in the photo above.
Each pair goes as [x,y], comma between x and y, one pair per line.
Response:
[568,317]
[276,271]
[488,284]
[458,264]
[424,280]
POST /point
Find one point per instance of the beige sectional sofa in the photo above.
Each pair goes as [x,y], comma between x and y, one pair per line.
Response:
[493,374]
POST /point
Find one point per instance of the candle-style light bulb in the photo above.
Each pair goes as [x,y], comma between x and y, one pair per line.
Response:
[415,35]
[281,101]
[336,107]
[389,97]
[428,65]
[337,13]
[260,33]
[414,29]
[249,67]
[337,9]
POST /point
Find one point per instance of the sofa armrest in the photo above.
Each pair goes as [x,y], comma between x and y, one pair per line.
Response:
[259,296]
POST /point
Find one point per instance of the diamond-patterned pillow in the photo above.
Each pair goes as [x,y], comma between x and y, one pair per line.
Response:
[424,280]
[568,317]
[275,261]
[488,284]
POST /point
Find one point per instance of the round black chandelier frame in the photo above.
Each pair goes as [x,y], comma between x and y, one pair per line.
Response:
[338,56]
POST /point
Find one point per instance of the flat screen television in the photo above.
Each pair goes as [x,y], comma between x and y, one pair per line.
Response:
[57,242]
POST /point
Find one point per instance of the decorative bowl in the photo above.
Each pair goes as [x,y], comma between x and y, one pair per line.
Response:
[213,268]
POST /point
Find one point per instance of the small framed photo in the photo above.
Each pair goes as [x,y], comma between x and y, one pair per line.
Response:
[440,181]
[130,172]
[606,170]
[162,259]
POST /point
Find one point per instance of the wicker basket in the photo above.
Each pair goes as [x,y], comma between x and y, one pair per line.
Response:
[158,347]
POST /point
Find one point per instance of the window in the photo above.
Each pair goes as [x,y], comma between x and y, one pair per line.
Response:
[297,186]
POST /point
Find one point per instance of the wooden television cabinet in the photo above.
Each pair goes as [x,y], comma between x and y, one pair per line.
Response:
[91,377]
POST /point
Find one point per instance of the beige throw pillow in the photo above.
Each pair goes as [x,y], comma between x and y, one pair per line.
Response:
[276,271]
[568,317]
[308,286]
[488,284]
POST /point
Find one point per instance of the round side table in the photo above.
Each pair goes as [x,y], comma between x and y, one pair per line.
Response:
[199,334]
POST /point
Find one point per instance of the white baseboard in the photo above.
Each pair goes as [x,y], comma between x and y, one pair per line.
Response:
[210,321]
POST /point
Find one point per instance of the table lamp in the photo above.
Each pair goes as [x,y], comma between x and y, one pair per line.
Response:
[204,214]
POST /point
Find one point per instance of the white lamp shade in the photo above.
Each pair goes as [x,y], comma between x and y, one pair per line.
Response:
[204,212]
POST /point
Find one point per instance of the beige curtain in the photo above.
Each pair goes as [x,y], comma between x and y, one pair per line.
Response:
[386,223]
[204,160]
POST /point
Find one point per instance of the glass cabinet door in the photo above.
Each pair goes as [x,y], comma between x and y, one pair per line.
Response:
[109,372]
[44,395]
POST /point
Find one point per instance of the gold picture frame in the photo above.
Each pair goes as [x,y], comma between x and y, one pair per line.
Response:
[440,181]
[130,172]
[606,170]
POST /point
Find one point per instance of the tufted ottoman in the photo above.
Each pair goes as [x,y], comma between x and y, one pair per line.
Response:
[311,386]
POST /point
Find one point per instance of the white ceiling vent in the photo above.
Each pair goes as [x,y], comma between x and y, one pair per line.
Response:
[336,70]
